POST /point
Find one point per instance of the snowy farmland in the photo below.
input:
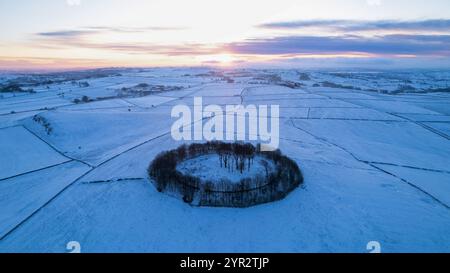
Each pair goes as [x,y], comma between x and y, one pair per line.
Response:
[374,149]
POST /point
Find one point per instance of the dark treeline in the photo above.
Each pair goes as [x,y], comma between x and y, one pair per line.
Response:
[44,122]
[263,188]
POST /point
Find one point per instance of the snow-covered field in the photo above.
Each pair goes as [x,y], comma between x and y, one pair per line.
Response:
[374,149]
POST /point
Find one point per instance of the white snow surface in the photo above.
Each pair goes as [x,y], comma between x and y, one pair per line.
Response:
[22,152]
[375,162]
[207,168]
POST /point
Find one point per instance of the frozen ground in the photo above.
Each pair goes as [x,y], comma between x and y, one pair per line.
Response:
[373,147]
[207,168]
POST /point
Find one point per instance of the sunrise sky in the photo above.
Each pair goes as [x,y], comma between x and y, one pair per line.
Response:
[67,34]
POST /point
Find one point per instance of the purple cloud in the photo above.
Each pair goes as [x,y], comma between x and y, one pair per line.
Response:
[380,45]
[66,33]
[352,25]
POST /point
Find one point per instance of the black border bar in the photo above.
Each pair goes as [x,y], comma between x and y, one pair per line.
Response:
[227,262]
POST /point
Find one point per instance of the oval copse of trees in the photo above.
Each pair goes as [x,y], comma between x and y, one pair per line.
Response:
[266,187]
